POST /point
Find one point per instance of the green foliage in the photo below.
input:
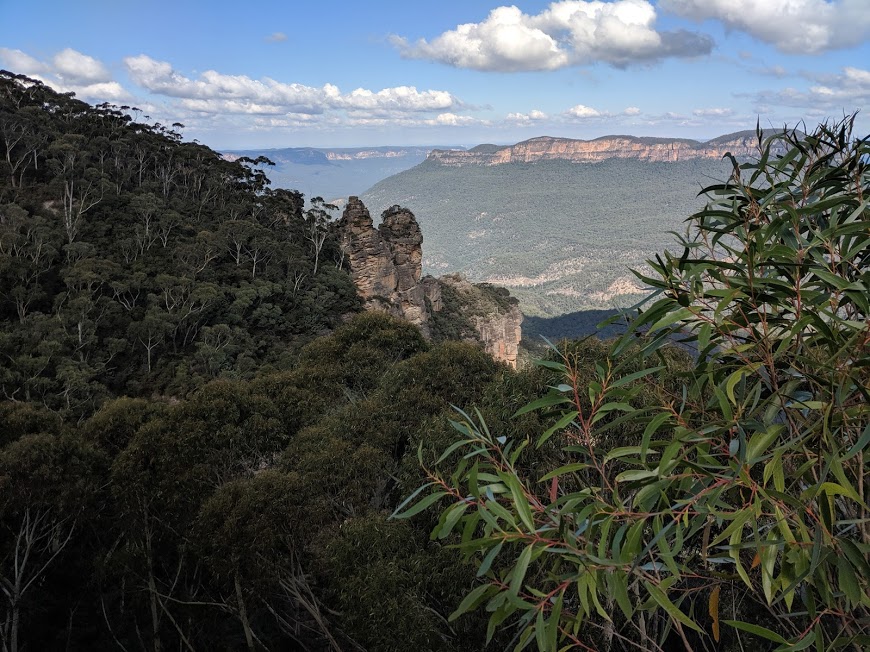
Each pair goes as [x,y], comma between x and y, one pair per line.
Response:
[396,586]
[180,438]
[132,263]
[742,477]
[19,419]
[245,528]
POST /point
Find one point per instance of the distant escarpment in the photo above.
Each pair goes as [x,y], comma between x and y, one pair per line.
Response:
[546,148]
[386,267]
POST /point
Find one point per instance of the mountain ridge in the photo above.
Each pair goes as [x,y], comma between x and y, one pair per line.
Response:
[646,148]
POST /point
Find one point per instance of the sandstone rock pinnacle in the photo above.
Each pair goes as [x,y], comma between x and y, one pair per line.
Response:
[386,267]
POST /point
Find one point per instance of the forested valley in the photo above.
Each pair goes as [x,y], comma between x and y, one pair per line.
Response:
[199,443]
[206,444]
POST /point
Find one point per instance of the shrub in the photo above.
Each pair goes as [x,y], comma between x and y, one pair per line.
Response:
[743,492]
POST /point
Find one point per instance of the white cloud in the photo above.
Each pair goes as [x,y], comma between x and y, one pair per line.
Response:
[68,71]
[632,110]
[582,112]
[793,26]
[110,91]
[532,116]
[214,92]
[23,64]
[452,120]
[407,120]
[245,93]
[77,68]
[713,112]
[276,37]
[231,106]
[400,98]
[569,32]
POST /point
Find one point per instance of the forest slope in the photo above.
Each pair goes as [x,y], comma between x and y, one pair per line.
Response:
[561,236]
[134,263]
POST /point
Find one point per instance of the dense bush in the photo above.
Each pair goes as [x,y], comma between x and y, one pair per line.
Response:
[132,263]
[731,510]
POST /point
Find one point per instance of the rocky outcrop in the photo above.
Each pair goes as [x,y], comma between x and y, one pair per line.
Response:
[386,267]
[386,263]
[500,334]
[493,313]
[544,148]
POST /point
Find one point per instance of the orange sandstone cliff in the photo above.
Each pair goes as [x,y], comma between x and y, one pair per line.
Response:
[547,148]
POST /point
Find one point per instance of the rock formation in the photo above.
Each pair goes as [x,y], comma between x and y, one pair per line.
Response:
[386,263]
[493,313]
[742,144]
[386,267]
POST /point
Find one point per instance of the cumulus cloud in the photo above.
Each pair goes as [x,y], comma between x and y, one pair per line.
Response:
[400,98]
[452,120]
[77,68]
[582,112]
[240,91]
[276,37]
[792,26]
[214,92]
[632,110]
[103,92]
[532,116]
[21,63]
[68,71]
[569,32]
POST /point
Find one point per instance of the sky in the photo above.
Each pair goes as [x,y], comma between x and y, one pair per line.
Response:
[333,73]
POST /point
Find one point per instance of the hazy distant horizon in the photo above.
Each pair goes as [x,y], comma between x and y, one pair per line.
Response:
[469,145]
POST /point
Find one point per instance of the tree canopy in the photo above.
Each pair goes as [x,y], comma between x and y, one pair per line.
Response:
[133,263]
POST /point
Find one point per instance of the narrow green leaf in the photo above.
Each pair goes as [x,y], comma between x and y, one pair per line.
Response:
[519,572]
[451,518]
[651,428]
[559,425]
[470,601]
[490,557]
[547,401]
[667,320]
[848,582]
[624,380]
[636,474]
[758,630]
[423,504]
[673,611]
[411,498]
[623,451]
[521,503]
[541,631]
[760,442]
[553,625]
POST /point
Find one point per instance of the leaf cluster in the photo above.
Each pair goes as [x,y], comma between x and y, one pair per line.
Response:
[741,479]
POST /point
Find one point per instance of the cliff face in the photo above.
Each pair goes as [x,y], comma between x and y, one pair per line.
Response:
[378,152]
[386,267]
[546,148]
[492,312]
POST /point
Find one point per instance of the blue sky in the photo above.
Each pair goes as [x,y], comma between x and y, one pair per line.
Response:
[334,73]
